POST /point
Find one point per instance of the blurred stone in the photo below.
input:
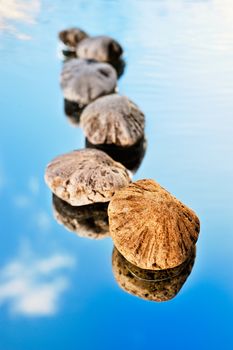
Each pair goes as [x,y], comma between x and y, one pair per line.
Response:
[113,120]
[83,81]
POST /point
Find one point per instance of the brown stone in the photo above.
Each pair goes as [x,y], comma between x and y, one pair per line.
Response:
[72,36]
[150,227]
[85,176]
[113,119]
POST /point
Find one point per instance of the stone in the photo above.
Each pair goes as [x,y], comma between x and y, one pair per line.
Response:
[150,227]
[83,81]
[85,176]
[114,120]
[72,36]
[100,48]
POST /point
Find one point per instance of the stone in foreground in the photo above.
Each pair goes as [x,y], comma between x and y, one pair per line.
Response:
[150,227]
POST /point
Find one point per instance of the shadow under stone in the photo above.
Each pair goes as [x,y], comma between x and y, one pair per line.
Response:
[73,111]
[131,157]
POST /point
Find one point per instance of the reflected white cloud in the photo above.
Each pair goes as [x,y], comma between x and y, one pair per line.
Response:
[13,12]
[41,302]
[43,221]
[32,286]
[2,178]
[28,202]
[34,185]
[22,201]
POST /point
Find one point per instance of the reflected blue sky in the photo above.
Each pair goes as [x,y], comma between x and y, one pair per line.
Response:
[179,71]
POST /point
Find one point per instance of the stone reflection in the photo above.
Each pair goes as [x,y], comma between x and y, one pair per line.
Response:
[73,111]
[131,157]
[89,221]
[151,285]
[67,54]
[119,66]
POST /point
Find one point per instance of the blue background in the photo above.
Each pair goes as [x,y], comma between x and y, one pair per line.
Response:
[179,70]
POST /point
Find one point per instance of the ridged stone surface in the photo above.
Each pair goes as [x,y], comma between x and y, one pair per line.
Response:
[113,119]
[150,227]
[85,176]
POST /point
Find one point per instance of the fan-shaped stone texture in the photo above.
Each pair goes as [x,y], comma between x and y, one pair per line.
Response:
[151,228]
[72,36]
[99,48]
[113,119]
[151,285]
[89,221]
[85,176]
[83,81]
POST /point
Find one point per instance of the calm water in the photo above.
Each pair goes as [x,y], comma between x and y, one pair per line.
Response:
[57,290]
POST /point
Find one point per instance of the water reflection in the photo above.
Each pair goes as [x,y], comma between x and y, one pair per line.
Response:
[151,285]
[119,66]
[131,157]
[89,221]
[73,111]
[33,284]
[14,13]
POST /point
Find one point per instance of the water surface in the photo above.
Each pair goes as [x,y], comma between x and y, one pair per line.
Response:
[57,290]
